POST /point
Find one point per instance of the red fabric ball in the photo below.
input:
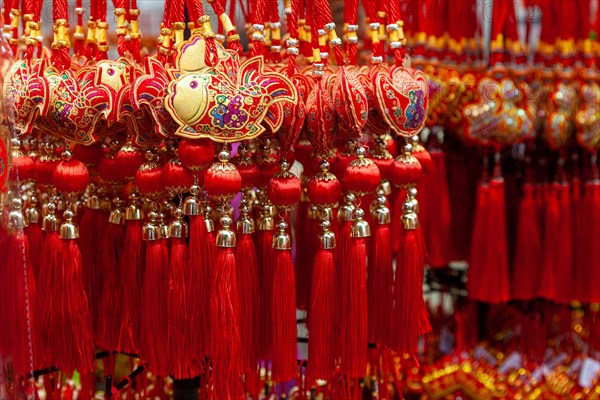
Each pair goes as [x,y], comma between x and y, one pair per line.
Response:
[148,179]
[22,168]
[362,176]
[71,176]
[384,163]
[89,155]
[222,180]
[196,154]
[284,190]
[324,189]
[303,149]
[248,171]
[267,168]
[44,170]
[406,170]
[108,168]
[176,178]
[341,162]
[424,158]
[128,160]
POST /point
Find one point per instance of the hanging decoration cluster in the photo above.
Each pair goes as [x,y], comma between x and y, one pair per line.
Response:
[152,203]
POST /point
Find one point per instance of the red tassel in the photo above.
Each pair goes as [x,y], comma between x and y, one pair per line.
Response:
[180,334]
[283,310]
[74,348]
[48,279]
[380,281]
[303,261]
[249,291]
[438,227]
[527,268]
[353,297]
[224,318]
[266,265]
[18,299]
[111,306]
[488,270]
[408,302]
[564,292]
[132,267]
[322,325]
[35,238]
[200,263]
[552,241]
[91,227]
[342,248]
[154,333]
[591,218]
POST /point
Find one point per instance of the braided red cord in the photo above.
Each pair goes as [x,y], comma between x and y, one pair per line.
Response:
[275,42]
[292,23]
[393,16]
[134,42]
[28,8]
[258,17]
[351,18]
[60,56]
[102,9]
[121,43]
[177,11]
[79,42]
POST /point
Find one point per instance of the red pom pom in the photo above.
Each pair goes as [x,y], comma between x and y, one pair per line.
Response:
[406,170]
[222,179]
[324,189]
[196,154]
[384,162]
[247,169]
[22,168]
[362,176]
[148,179]
[284,190]
[71,176]
[424,157]
[302,149]
[176,178]
[341,162]
[89,155]
[128,160]
[267,167]
[108,170]
[44,169]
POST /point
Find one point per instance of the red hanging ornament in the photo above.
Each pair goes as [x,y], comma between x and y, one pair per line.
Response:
[222,182]
[284,191]
[74,346]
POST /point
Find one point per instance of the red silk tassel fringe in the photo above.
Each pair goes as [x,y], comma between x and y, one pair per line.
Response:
[380,285]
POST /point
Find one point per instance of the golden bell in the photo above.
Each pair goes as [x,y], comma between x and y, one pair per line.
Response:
[245,224]
[282,241]
[150,230]
[178,227]
[347,209]
[68,229]
[16,219]
[225,236]
[381,213]
[191,205]
[50,222]
[360,228]
[326,237]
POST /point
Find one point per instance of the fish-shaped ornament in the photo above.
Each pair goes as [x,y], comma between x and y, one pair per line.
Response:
[208,103]
[148,93]
[587,118]
[402,97]
[80,104]
[350,101]
[26,94]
